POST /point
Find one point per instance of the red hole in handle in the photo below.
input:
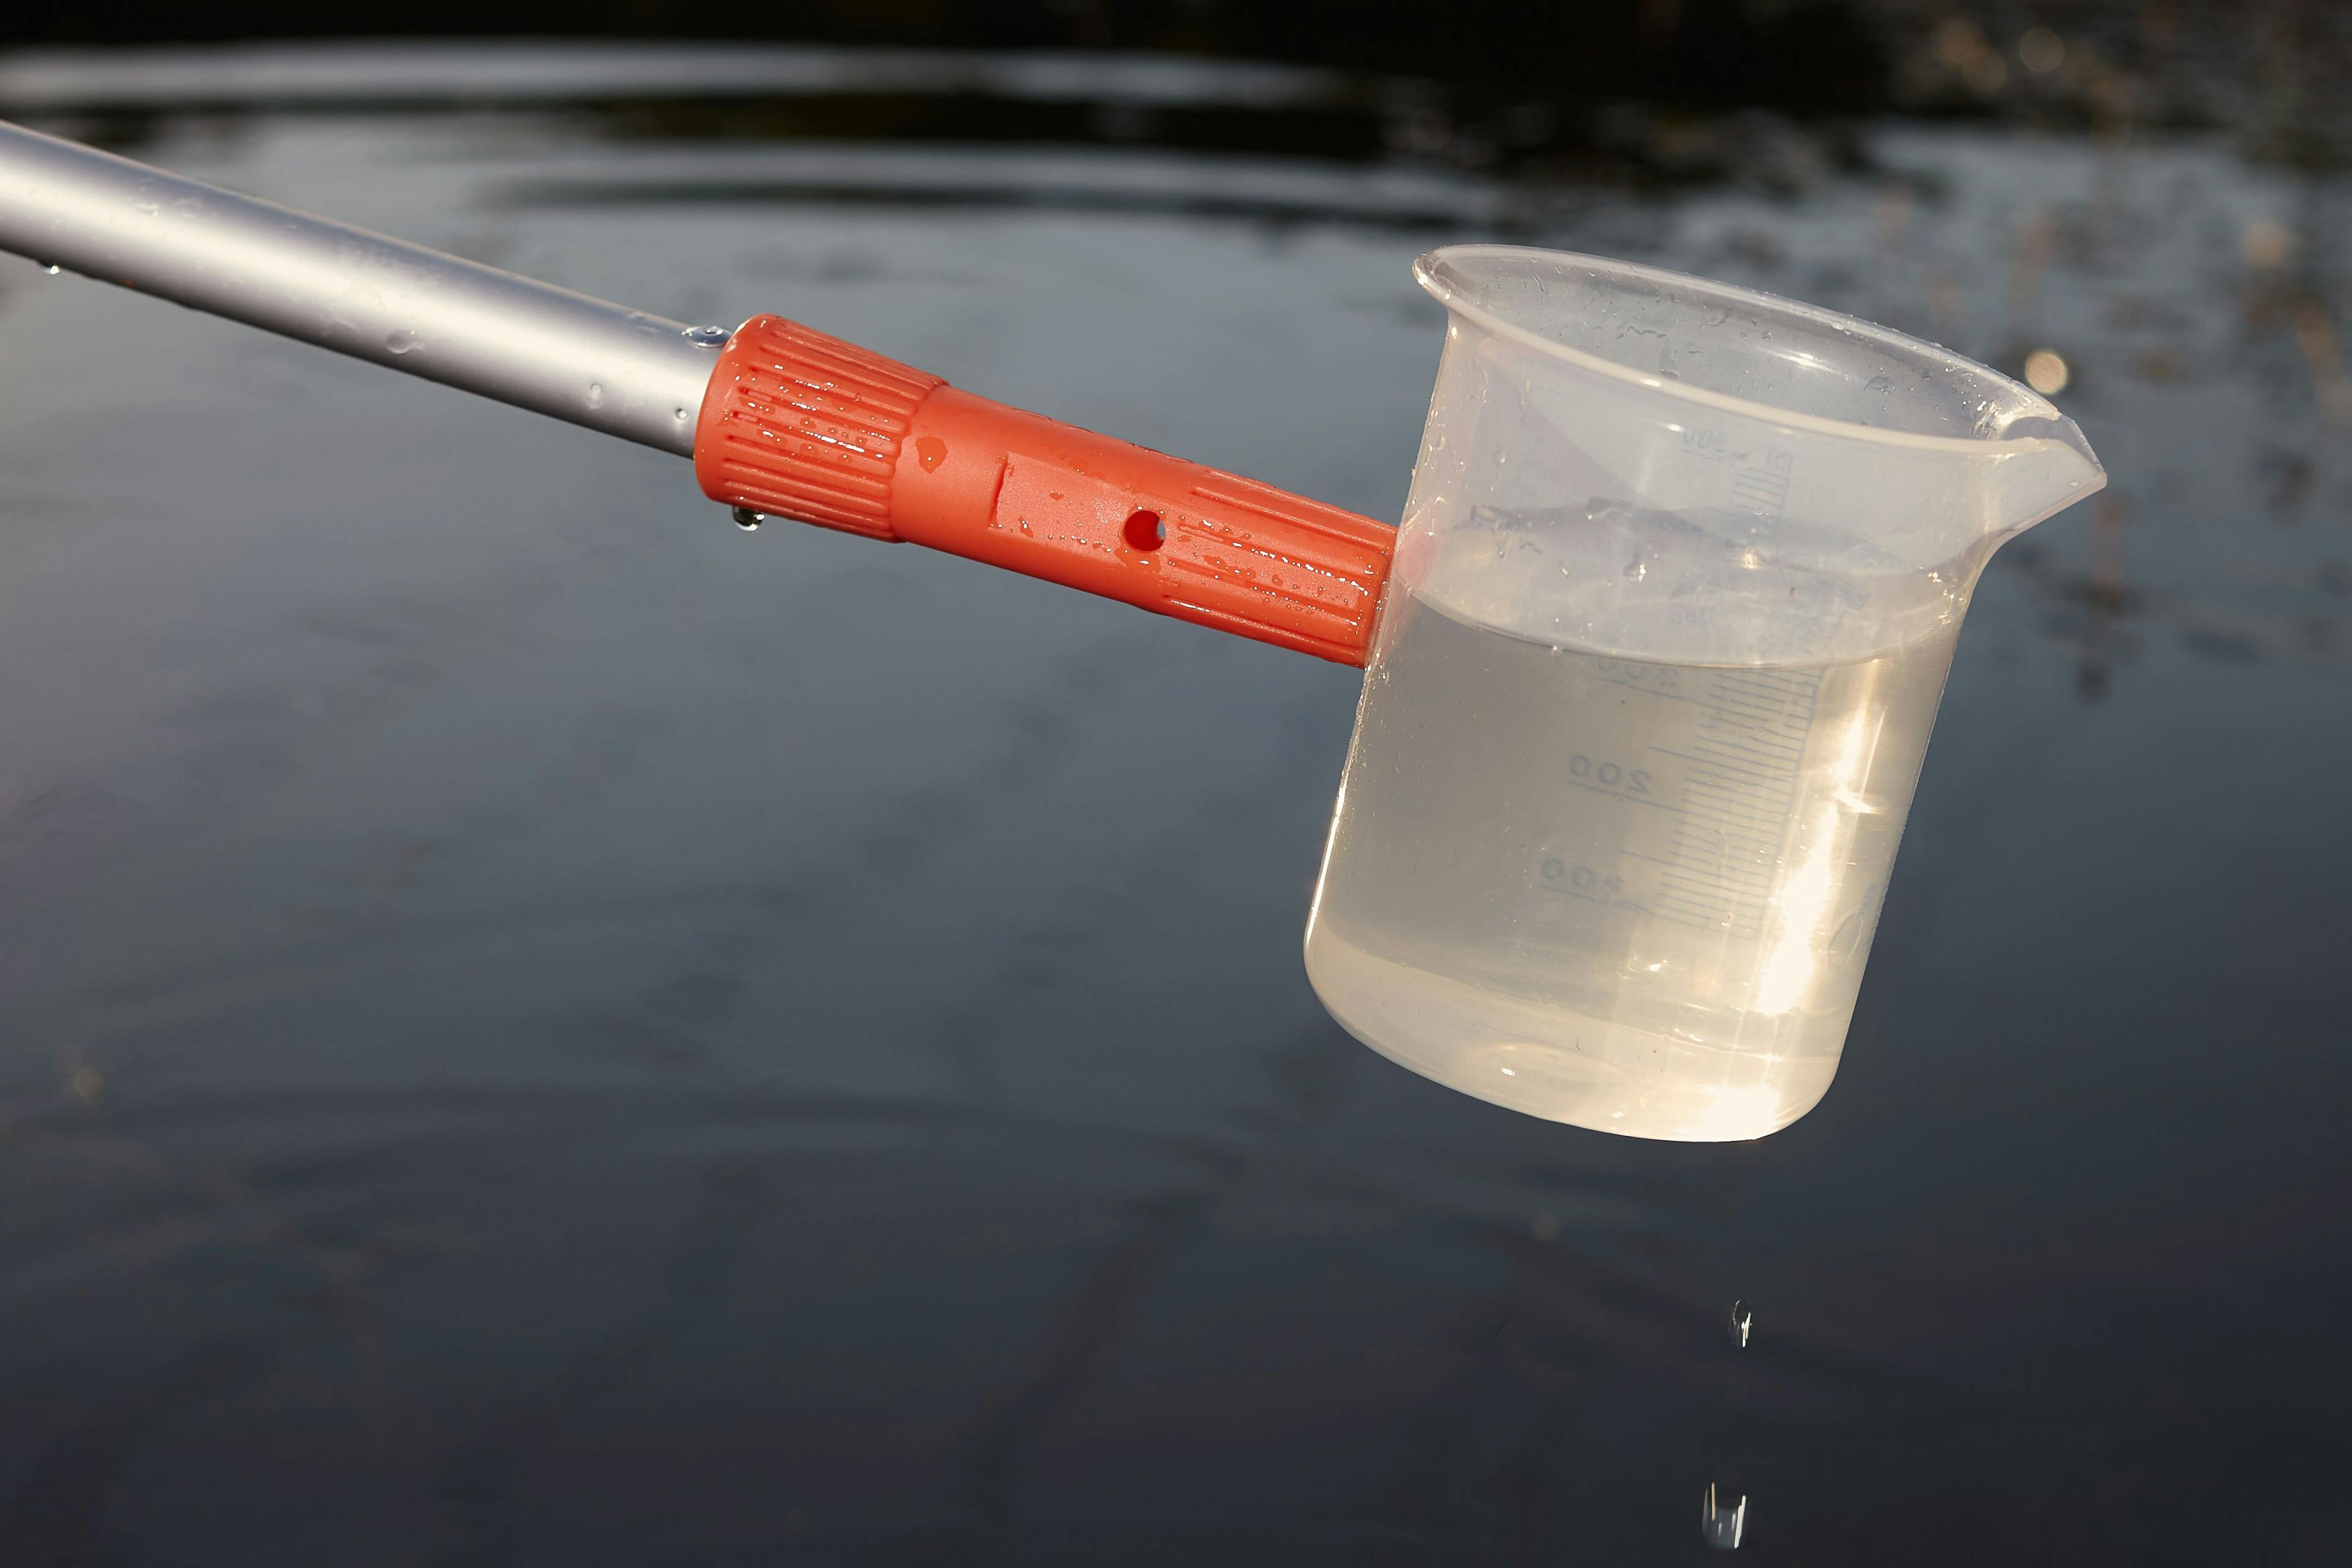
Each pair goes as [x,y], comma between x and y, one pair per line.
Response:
[1144,531]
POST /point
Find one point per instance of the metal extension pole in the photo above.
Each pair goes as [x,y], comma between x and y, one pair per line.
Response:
[801,425]
[402,306]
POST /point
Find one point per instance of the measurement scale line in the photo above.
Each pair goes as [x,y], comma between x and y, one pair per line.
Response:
[1737,840]
[1733,906]
[1707,914]
[1771,707]
[1726,908]
[1710,761]
[1738,741]
[1731,774]
[1769,722]
[1759,780]
[1760,692]
[1718,878]
[1751,848]
[1753,853]
[1727,733]
[1714,720]
[1745,792]
[1729,805]
[1728,898]
[1594,899]
[1770,710]
[1728,921]
[1746,867]
[1689,922]
[1733,835]
[1714,749]
[1751,884]
[1751,872]
[1727,858]
[1769,691]
[1762,675]
[1650,690]
[1752,881]
[1752,863]
[1724,871]
[1725,924]
[1722,716]
[1779,705]
[1715,864]
[1753,758]
[1746,696]
[1697,898]
[1616,795]
[1763,742]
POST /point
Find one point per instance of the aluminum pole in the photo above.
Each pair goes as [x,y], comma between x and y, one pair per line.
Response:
[399,305]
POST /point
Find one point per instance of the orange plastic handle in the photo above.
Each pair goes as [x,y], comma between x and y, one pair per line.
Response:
[798,425]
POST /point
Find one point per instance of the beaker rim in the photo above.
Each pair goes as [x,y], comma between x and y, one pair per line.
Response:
[1452,293]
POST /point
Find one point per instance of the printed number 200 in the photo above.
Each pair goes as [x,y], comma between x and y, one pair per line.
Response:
[1635,779]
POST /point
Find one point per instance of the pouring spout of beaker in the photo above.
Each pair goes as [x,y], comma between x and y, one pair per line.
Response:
[2039,466]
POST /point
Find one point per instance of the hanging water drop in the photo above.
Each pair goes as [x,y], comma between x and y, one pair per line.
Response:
[749,521]
[1721,1526]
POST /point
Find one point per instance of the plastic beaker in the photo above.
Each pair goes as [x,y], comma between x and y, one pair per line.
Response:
[1674,598]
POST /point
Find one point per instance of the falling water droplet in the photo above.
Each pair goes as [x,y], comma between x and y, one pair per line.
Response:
[1743,1317]
[400,340]
[1721,1527]
[749,521]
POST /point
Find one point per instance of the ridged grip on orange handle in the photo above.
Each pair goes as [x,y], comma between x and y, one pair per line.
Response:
[803,426]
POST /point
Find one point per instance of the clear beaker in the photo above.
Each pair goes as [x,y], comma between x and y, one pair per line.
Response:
[1673,604]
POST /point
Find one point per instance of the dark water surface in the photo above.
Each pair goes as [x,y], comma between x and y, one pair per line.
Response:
[538,1028]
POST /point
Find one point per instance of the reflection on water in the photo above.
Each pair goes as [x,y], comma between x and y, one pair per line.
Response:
[534,1025]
